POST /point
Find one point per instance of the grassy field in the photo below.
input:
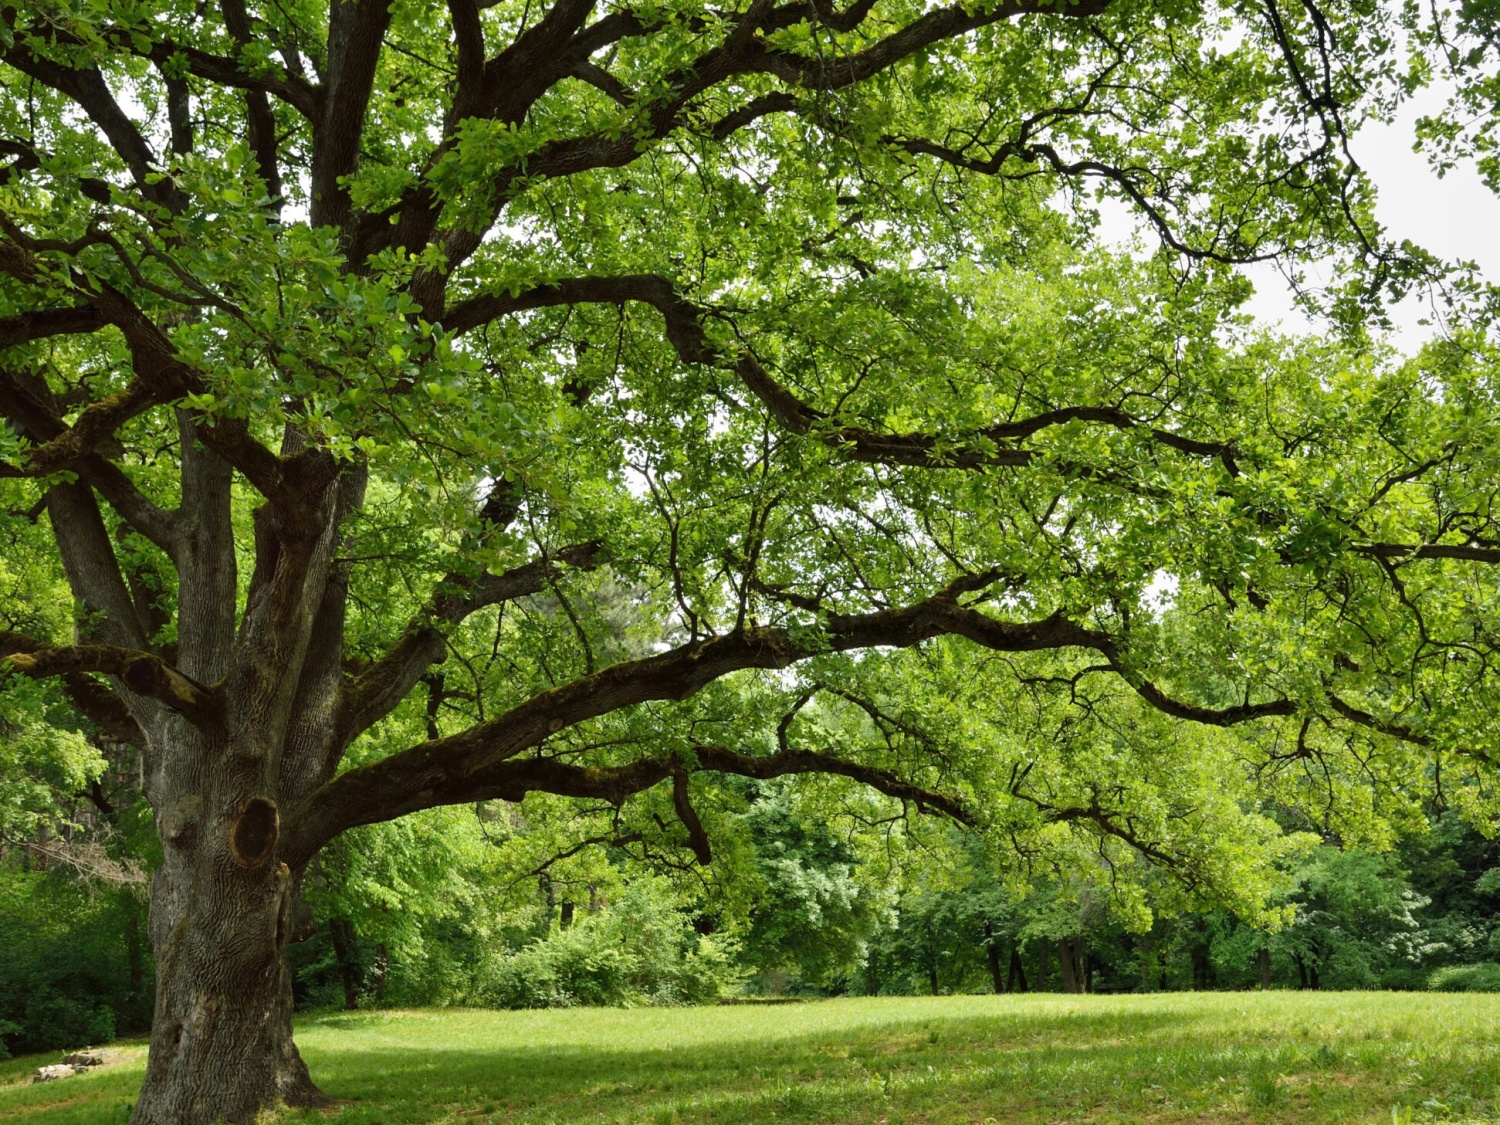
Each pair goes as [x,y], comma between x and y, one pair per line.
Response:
[1176,1058]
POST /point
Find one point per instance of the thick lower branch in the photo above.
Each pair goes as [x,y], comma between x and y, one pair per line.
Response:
[93,699]
[512,780]
[141,672]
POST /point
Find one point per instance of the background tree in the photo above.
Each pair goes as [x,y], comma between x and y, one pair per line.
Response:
[515,377]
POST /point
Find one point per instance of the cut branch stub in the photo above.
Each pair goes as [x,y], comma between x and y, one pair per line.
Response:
[253,833]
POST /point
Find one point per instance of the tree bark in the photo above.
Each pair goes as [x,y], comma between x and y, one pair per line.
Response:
[221,1037]
[1200,970]
[1264,957]
[1067,955]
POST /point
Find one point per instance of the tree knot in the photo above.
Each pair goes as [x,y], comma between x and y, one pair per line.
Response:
[253,832]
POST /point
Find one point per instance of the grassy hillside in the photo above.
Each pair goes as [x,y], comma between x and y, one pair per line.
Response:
[1174,1058]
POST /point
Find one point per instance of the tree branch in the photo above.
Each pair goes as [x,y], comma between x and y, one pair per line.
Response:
[144,674]
[22,404]
[677,674]
[512,780]
[988,447]
[380,687]
[356,31]
[86,87]
[28,326]
[95,701]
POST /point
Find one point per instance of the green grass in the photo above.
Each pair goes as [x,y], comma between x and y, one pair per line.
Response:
[1225,1057]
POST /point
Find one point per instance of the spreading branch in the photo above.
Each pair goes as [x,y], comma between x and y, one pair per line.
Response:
[387,681]
[141,672]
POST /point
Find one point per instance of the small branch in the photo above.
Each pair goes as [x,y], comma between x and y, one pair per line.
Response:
[383,685]
[697,836]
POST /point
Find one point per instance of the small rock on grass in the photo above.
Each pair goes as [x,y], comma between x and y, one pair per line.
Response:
[77,1062]
[51,1073]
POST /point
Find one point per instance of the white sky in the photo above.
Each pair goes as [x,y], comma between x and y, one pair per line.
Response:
[1454,217]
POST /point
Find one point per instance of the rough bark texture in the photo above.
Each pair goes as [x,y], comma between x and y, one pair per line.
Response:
[1070,952]
[221,1037]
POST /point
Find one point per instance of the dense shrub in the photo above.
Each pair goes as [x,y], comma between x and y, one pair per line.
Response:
[642,950]
[1466,978]
[75,969]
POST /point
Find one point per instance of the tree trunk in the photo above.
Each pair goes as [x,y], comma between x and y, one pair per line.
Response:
[345,945]
[378,971]
[1068,955]
[932,980]
[1200,970]
[1016,978]
[1080,976]
[1265,968]
[992,951]
[221,1037]
[1301,970]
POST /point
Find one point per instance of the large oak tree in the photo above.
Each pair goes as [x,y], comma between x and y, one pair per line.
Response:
[534,371]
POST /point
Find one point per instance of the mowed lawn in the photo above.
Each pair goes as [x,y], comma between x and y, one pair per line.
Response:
[1231,1057]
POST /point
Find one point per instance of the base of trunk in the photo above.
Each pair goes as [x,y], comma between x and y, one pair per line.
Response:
[221,1035]
[223,1069]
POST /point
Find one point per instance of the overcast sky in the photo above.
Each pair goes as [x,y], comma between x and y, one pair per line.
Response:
[1453,217]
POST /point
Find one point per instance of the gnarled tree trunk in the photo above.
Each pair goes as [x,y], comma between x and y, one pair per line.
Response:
[221,1037]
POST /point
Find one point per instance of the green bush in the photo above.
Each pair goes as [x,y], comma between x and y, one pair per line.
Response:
[1466,978]
[642,950]
[75,970]
[1405,979]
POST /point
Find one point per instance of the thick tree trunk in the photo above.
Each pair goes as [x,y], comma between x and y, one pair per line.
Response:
[1200,970]
[1069,981]
[221,1038]
[1264,958]
[1070,953]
